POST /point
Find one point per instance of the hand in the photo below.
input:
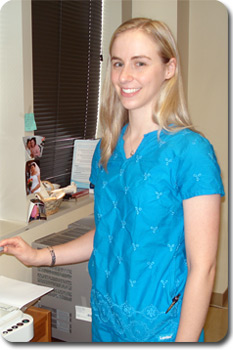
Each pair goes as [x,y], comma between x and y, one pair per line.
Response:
[20,249]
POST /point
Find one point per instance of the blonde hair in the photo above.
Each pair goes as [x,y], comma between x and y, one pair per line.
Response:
[170,112]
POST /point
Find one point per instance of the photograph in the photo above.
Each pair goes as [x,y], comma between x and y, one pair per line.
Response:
[32,173]
[34,146]
[36,210]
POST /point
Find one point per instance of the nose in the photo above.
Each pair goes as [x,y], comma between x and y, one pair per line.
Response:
[126,74]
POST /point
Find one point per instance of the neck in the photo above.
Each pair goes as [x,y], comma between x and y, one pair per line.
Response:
[137,128]
[140,125]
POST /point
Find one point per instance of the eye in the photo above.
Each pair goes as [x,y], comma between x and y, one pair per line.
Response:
[140,64]
[117,64]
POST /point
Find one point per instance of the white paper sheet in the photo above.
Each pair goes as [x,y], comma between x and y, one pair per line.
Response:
[18,293]
[83,313]
[82,159]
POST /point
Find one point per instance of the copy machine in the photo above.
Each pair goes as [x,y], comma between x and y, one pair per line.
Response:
[69,302]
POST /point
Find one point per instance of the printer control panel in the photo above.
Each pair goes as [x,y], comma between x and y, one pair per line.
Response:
[15,326]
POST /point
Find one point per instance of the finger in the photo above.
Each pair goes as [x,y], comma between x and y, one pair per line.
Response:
[10,241]
[9,249]
[11,245]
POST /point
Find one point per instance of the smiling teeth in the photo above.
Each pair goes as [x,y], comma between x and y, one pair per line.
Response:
[130,91]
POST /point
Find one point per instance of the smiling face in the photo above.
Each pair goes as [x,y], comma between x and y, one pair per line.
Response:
[32,169]
[137,70]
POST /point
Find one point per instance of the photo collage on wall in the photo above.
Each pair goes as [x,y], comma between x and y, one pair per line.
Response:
[34,146]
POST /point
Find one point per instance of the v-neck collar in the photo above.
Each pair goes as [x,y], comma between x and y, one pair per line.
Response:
[122,141]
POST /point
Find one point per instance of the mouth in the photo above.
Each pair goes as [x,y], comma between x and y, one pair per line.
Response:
[129,92]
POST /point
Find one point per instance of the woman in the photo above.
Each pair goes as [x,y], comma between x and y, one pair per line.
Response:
[34,179]
[34,149]
[28,146]
[157,201]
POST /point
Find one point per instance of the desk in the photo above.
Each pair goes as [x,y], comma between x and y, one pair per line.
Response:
[42,324]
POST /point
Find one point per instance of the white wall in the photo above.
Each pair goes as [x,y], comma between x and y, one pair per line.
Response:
[208,98]
[15,101]
[162,10]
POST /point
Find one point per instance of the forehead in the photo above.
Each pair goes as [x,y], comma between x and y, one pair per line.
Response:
[135,43]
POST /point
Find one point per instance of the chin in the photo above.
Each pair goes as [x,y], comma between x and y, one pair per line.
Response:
[130,105]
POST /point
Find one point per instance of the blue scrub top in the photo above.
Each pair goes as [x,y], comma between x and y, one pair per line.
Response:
[138,264]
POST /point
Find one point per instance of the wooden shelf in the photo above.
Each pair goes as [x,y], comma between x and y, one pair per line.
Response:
[42,324]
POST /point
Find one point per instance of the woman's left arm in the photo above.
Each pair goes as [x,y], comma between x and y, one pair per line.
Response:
[201,222]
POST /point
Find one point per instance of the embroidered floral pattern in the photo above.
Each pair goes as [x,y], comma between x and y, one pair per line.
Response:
[128,323]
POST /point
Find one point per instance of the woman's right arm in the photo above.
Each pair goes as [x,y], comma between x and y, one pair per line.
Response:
[75,251]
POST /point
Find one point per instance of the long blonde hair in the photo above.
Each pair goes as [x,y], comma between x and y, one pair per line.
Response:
[170,112]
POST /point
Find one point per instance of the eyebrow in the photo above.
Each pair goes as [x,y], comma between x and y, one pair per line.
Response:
[133,58]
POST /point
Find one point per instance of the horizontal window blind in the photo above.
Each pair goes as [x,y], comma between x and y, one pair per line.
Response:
[66,38]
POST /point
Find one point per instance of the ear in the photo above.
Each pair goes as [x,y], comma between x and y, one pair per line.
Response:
[170,68]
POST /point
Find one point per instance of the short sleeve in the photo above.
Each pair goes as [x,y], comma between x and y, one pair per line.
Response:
[95,166]
[198,171]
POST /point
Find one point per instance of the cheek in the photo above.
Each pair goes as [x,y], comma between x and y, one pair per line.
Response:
[157,80]
[114,78]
